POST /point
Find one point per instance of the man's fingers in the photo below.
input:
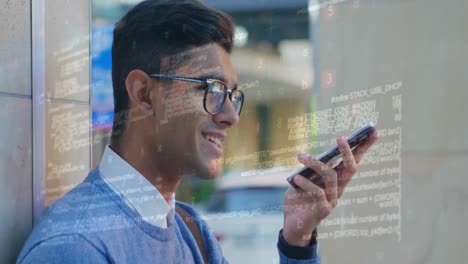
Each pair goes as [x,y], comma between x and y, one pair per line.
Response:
[309,189]
[346,152]
[349,165]
[364,147]
[316,194]
[329,176]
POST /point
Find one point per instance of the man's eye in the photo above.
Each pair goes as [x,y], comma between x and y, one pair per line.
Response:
[201,87]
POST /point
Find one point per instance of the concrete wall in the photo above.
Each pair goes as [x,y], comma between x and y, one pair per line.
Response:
[15,128]
[44,117]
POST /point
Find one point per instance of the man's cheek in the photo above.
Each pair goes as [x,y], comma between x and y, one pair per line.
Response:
[199,109]
[196,99]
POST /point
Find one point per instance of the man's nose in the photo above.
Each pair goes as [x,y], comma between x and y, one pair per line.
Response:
[228,116]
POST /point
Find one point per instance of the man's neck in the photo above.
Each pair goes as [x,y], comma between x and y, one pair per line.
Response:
[143,159]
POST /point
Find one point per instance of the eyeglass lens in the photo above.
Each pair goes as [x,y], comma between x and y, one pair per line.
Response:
[216,97]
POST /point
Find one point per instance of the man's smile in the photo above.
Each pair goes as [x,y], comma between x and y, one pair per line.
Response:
[214,141]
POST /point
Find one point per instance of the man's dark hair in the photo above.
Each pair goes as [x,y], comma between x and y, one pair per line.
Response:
[156,28]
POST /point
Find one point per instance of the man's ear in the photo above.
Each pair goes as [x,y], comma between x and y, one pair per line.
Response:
[138,85]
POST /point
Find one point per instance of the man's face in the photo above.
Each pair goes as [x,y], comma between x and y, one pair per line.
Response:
[187,139]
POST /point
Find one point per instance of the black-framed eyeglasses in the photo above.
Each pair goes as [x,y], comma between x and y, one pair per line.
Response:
[215,95]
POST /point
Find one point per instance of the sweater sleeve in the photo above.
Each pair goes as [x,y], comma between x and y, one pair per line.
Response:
[289,254]
[63,249]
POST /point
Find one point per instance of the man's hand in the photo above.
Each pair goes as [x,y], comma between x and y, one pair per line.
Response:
[307,206]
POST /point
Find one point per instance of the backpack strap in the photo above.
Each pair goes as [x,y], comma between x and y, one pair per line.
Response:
[192,226]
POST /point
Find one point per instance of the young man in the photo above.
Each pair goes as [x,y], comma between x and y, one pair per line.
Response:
[175,93]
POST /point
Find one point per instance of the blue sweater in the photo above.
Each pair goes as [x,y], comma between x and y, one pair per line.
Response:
[92,224]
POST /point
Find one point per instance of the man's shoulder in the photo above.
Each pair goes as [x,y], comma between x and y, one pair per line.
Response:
[84,200]
[82,213]
[72,248]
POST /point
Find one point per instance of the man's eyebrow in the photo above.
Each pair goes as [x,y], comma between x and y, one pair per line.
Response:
[216,76]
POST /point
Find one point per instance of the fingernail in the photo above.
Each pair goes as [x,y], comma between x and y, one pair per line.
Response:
[334,203]
[302,157]
[341,141]
[297,179]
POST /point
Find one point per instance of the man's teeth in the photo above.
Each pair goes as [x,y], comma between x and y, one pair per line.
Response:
[214,139]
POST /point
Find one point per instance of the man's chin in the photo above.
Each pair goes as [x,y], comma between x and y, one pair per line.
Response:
[211,171]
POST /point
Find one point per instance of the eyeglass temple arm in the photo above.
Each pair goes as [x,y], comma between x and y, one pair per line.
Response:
[173,77]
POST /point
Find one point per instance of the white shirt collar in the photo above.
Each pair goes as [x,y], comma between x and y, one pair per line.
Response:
[136,190]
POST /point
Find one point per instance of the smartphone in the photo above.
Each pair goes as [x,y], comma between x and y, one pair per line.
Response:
[333,155]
